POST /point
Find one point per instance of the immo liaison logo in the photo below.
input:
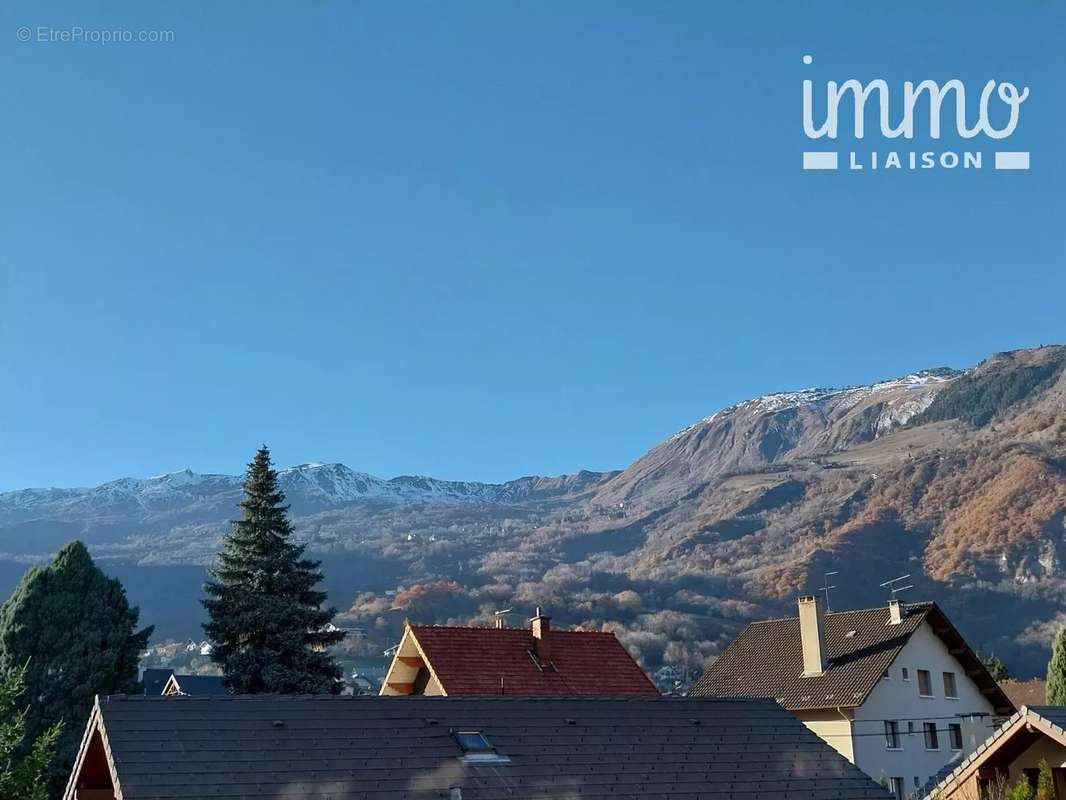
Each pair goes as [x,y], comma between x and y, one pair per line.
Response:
[845,113]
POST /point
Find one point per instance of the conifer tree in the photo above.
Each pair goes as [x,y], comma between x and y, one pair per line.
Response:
[266,620]
[72,631]
[1045,782]
[1056,671]
[23,766]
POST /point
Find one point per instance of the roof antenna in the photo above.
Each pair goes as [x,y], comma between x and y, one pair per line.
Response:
[826,589]
[498,615]
[893,587]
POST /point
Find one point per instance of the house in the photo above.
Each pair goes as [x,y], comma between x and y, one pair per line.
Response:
[895,690]
[455,748]
[155,680]
[1011,754]
[194,685]
[443,660]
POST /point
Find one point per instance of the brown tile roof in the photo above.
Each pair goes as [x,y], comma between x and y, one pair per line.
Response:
[766,659]
[488,660]
[404,748]
[1025,693]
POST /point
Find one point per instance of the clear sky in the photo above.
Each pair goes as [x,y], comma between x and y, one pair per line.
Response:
[485,239]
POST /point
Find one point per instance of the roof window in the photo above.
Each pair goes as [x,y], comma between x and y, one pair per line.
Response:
[477,748]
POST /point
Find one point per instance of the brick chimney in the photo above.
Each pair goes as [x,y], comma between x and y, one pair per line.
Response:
[812,636]
[895,611]
[541,626]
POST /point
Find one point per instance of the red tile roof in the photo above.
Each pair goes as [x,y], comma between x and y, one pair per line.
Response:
[488,661]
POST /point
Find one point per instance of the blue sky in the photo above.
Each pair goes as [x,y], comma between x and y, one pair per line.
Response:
[479,239]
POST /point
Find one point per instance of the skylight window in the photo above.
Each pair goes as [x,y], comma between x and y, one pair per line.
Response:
[477,749]
[473,742]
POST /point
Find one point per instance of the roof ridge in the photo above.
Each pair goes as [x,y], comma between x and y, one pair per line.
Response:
[435,626]
[917,604]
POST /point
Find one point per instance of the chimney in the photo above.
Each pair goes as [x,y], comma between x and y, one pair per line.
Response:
[812,637]
[541,626]
[895,611]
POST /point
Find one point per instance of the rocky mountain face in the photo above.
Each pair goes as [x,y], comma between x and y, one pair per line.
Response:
[955,477]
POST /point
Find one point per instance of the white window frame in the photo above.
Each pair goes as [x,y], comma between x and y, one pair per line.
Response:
[892,734]
[929,675]
[925,737]
[954,684]
[952,728]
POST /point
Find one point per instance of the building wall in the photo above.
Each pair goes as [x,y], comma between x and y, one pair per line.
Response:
[1054,752]
[898,699]
[833,726]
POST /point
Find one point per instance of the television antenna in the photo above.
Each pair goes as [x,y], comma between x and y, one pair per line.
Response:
[827,587]
[893,585]
[499,615]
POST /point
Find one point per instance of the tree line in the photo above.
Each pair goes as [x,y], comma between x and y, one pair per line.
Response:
[68,633]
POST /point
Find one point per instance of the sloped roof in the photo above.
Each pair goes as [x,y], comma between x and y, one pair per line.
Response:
[1009,740]
[766,659]
[200,684]
[379,748]
[1025,693]
[154,680]
[498,661]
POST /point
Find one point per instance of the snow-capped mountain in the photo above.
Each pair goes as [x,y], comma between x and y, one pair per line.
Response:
[306,486]
[762,431]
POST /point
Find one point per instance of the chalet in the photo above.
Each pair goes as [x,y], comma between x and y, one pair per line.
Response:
[895,690]
[274,747]
[1012,754]
[194,685]
[444,660]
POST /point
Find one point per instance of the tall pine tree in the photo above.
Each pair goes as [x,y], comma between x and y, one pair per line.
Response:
[1056,671]
[267,623]
[72,630]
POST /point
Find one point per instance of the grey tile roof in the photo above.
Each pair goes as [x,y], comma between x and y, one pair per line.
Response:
[200,684]
[388,748]
[766,659]
[154,679]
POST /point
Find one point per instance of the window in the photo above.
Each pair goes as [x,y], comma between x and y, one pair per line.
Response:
[477,749]
[886,676]
[955,736]
[910,727]
[925,683]
[931,741]
[891,734]
[950,688]
[896,786]
[473,742]
[906,674]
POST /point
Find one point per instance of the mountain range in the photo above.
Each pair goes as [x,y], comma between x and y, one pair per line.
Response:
[956,477]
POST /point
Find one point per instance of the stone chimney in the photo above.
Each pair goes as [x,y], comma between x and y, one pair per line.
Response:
[812,636]
[895,611]
[541,626]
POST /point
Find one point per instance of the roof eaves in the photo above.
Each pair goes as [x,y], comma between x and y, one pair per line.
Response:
[972,664]
[95,724]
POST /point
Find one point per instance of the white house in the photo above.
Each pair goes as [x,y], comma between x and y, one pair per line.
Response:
[896,690]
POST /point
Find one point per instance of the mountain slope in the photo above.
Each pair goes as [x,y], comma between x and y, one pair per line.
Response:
[958,478]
